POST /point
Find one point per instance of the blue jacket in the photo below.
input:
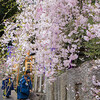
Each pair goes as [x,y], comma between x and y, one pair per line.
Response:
[23,89]
[30,83]
[7,85]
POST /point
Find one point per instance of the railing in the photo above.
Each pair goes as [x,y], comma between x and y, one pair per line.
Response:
[38,88]
[39,81]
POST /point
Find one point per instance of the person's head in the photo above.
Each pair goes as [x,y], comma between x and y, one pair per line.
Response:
[25,77]
[28,72]
[9,75]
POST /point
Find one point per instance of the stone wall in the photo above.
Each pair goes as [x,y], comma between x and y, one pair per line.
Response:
[75,83]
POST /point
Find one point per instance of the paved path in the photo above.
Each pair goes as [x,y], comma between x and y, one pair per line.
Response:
[12,97]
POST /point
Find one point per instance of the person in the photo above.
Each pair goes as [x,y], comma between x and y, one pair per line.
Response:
[23,88]
[7,86]
[3,84]
[29,79]
[19,94]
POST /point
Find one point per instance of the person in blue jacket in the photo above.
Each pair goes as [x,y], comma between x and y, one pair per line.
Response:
[23,88]
[29,79]
[7,86]
[20,94]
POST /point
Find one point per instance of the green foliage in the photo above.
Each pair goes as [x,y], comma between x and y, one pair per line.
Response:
[93,2]
[7,9]
[90,20]
[92,48]
[89,50]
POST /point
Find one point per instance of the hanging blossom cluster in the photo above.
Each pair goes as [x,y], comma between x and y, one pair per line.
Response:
[58,28]
[64,31]
[79,29]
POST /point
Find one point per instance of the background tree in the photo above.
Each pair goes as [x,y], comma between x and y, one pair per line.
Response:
[8,11]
